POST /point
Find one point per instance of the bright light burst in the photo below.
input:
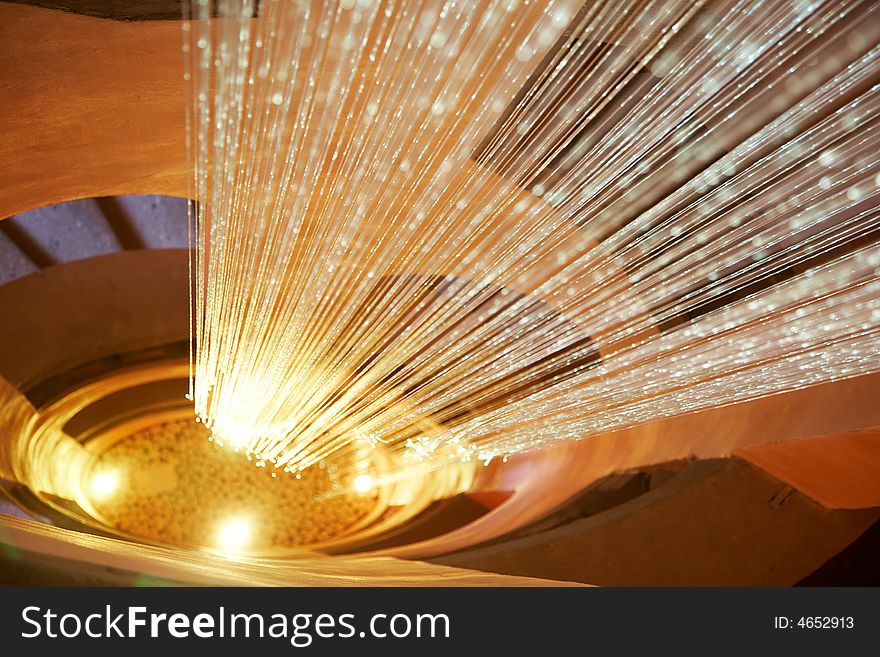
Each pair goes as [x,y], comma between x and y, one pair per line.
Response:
[466,230]
[104,484]
[363,483]
[234,534]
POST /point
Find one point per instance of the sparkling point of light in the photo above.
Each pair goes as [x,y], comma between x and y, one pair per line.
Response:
[363,483]
[104,484]
[234,534]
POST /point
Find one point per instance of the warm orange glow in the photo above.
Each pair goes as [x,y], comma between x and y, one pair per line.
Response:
[363,483]
[234,534]
[104,484]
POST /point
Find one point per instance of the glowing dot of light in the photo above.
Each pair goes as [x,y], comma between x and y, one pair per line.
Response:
[234,534]
[104,484]
[363,483]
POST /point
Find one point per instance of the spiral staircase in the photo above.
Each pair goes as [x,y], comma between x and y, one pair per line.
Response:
[94,348]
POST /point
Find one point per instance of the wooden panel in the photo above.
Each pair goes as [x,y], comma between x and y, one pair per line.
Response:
[839,471]
[717,523]
[84,557]
[85,310]
[91,107]
[545,479]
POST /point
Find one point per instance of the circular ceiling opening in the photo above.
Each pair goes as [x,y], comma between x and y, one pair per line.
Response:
[168,482]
